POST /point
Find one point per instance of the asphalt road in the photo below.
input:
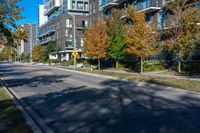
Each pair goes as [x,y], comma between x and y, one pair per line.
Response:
[70,102]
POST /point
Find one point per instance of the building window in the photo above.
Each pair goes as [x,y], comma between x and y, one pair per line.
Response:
[66,33]
[68,43]
[82,42]
[86,6]
[70,36]
[125,5]
[148,18]
[73,5]
[84,23]
[163,2]
[68,23]
[159,20]
[79,5]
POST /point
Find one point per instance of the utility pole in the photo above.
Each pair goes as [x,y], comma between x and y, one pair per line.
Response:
[74,36]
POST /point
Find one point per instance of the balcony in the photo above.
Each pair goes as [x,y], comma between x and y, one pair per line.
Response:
[46,40]
[43,35]
[51,6]
[51,10]
[148,6]
[81,27]
[123,16]
[108,4]
[51,31]
[48,33]
[79,10]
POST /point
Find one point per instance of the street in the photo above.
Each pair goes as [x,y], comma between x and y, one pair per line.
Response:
[72,102]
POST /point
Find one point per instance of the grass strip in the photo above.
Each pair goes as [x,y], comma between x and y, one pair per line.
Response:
[11,119]
[192,85]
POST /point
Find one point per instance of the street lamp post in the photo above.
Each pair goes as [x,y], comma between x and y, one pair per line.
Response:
[74,36]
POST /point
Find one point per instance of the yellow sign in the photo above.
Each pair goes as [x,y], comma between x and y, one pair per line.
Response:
[75,53]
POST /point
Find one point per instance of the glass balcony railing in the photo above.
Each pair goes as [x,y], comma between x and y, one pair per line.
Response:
[147,4]
[105,3]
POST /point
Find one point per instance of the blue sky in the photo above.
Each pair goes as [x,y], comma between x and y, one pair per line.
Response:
[30,11]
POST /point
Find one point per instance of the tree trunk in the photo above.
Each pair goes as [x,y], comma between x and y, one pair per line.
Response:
[10,59]
[49,62]
[99,64]
[141,65]
[179,66]
[117,64]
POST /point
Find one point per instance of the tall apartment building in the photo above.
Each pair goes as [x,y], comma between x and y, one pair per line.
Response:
[66,22]
[153,9]
[42,18]
[94,10]
[26,46]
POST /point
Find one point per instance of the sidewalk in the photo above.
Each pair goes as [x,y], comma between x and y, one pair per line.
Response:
[156,74]
[193,77]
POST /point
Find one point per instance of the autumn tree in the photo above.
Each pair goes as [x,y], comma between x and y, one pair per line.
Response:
[96,40]
[8,53]
[140,36]
[116,41]
[182,28]
[37,53]
[18,35]
[10,12]
[189,33]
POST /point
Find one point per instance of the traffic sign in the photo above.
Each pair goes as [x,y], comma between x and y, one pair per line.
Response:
[75,53]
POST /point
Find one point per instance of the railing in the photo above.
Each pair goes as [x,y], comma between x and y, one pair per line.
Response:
[104,2]
[147,4]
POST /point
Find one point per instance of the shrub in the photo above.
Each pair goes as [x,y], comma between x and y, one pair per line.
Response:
[150,66]
[70,62]
[87,63]
[193,67]
[80,60]
[56,61]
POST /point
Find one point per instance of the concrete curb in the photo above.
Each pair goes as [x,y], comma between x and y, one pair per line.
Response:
[86,73]
[32,119]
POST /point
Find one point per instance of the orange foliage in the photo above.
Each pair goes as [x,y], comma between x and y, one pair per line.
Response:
[141,37]
[96,40]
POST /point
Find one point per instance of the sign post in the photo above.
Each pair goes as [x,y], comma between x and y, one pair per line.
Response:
[75,54]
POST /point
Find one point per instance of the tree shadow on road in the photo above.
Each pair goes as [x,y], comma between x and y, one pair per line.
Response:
[35,81]
[118,107]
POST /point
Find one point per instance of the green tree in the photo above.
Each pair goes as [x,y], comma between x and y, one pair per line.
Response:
[24,58]
[116,33]
[50,49]
[140,37]
[37,53]
[1,56]
[10,12]
[96,40]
